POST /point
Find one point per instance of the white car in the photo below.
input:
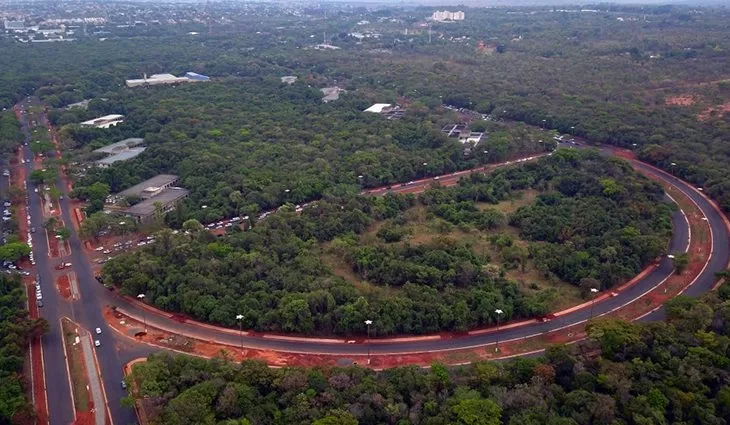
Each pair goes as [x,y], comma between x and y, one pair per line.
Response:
[98,331]
[97,343]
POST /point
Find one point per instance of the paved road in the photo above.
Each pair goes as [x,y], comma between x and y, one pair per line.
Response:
[87,312]
[721,254]
[59,395]
[93,297]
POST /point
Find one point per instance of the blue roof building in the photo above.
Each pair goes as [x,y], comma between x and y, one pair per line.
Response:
[196,77]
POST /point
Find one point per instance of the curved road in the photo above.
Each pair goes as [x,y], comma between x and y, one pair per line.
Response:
[88,309]
[718,261]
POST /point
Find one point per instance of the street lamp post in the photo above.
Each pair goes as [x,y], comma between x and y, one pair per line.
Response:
[594,291]
[499,313]
[140,297]
[239,317]
[368,323]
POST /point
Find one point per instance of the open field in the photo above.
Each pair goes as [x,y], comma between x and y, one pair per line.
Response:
[424,229]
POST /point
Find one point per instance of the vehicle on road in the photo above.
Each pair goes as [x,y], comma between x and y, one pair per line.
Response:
[124,385]
[98,331]
[97,343]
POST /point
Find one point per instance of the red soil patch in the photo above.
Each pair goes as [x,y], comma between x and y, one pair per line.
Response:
[714,112]
[681,100]
[36,358]
[84,418]
[52,244]
[699,252]
[64,286]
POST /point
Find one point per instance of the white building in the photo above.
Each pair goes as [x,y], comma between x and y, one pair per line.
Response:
[447,16]
[156,79]
[104,122]
[378,108]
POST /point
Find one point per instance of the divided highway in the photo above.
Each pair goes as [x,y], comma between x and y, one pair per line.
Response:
[93,297]
[87,311]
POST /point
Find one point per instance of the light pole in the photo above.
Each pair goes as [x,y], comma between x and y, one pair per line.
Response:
[123,225]
[239,317]
[140,297]
[368,323]
[594,291]
[499,313]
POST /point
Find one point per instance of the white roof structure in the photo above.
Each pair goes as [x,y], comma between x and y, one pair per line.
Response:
[104,122]
[156,79]
[378,108]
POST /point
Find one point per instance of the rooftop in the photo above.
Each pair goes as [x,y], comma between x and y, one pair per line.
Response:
[161,180]
[166,198]
[121,146]
[378,108]
[122,156]
[105,121]
[330,94]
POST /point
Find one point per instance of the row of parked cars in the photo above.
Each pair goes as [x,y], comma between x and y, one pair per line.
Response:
[38,291]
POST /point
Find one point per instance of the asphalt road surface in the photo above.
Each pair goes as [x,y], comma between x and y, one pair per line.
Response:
[88,310]
[678,244]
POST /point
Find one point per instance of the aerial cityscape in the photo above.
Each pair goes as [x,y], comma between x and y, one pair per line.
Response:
[337,213]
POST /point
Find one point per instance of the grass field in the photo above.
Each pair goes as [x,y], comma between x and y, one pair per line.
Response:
[75,366]
[424,229]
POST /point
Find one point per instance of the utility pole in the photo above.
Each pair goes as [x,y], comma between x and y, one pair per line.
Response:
[368,323]
[140,297]
[499,313]
[239,317]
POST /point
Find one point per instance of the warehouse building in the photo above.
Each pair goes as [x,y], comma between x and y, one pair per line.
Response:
[150,187]
[167,199]
[158,79]
[120,151]
[158,190]
[104,122]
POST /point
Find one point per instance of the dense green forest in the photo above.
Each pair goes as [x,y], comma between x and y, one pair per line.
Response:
[595,223]
[274,274]
[612,76]
[251,144]
[10,135]
[16,329]
[660,373]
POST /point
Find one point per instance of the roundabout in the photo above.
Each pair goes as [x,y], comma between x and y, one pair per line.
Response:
[656,278]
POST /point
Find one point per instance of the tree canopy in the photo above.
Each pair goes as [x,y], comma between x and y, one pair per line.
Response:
[658,373]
